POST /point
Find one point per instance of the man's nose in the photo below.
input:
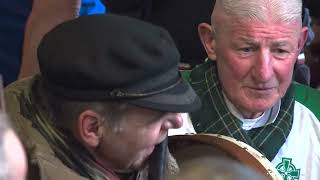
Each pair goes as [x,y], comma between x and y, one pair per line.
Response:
[173,121]
[263,69]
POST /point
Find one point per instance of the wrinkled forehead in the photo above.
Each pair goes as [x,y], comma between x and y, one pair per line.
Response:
[258,10]
[253,30]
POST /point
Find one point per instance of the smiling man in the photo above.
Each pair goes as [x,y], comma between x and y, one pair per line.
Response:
[108,92]
[246,84]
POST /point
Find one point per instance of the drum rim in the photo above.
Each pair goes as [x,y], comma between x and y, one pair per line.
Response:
[232,146]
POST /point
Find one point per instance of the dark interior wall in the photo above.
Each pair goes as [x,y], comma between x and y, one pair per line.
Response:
[314,7]
[179,17]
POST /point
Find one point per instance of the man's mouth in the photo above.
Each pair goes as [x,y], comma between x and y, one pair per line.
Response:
[262,88]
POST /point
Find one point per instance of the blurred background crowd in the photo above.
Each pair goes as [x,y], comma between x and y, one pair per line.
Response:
[181,20]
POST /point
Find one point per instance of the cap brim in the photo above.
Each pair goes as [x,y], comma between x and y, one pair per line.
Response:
[181,98]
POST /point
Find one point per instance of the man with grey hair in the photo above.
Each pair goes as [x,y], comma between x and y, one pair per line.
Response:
[246,84]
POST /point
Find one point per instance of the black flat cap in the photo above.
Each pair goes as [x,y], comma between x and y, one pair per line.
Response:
[111,57]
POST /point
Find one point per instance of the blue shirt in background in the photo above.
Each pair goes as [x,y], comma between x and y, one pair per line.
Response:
[92,7]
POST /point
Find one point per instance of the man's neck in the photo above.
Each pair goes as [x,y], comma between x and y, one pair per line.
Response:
[111,174]
[115,174]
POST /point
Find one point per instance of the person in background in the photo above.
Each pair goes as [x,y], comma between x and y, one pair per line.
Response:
[313,51]
[301,72]
[29,20]
[45,15]
[246,84]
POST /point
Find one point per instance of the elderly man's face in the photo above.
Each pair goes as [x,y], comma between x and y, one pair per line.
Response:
[140,131]
[255,62]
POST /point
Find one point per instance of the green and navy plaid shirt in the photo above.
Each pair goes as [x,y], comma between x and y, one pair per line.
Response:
[215,117]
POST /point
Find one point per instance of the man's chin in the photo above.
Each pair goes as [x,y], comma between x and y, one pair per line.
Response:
[262,104]
[140,163]
[258,109]
[255,108]
[137,166]
[130,169]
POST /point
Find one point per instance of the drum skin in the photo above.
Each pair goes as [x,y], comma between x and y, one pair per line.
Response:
[188,147]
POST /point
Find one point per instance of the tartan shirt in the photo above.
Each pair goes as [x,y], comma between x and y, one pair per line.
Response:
[215,117]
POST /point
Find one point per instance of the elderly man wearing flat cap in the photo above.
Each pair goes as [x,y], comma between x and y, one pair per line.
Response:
[108,92]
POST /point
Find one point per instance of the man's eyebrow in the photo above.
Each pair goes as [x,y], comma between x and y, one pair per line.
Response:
[248,41]
[282,44]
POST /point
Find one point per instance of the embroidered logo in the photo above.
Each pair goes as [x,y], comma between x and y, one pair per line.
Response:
[287,170]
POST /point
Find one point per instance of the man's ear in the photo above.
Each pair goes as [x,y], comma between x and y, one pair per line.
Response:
[206,34]
[303,37]
[89,128]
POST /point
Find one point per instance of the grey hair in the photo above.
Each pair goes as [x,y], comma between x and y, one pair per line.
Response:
[64,112]
[263,10]
[68,111]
